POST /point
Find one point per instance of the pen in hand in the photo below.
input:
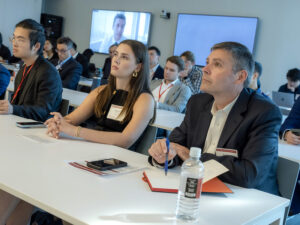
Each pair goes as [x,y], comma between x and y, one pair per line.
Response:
[166,162]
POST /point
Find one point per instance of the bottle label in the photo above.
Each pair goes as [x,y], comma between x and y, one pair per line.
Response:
[193,187]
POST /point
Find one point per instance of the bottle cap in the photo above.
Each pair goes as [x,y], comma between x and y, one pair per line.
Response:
[195,152]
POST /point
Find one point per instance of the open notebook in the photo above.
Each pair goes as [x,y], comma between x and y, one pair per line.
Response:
[158,182]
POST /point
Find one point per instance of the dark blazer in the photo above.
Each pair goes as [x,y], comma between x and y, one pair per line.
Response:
[70,73]
[41,92]
[293,120]
[4,79]
[159,73]
[251,128]
[84,63]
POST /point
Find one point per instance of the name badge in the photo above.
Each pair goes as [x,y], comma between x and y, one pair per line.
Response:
[114,113]
[226,151]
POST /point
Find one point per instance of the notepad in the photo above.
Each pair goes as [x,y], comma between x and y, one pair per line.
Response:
[158,182]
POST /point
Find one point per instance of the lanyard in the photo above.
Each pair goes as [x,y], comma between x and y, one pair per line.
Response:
[25,74]
[159,93]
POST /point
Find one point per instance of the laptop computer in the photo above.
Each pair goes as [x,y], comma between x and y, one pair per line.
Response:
[283,99]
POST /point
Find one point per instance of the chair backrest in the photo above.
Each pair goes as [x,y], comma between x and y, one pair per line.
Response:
[64,107]
[147,140]
[287,176]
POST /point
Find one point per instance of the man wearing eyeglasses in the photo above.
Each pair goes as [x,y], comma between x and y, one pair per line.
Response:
[69,69]
[38,88]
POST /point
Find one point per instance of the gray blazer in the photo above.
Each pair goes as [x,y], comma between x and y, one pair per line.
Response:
[176,98]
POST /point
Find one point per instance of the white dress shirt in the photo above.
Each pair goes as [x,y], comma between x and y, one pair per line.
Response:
[162,90]
[216,127]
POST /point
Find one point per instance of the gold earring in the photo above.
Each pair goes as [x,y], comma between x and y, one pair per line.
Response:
[135,74]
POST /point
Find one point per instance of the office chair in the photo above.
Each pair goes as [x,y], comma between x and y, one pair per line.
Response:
[287,176]
[64,107]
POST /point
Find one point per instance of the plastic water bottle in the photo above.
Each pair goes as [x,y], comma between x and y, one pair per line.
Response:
[191,177]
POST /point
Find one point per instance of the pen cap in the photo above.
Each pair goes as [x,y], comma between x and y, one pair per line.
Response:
[195,152]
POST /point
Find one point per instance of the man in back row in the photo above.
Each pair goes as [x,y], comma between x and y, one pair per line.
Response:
[69,69]
[38,89]
[169,93]
[232,124]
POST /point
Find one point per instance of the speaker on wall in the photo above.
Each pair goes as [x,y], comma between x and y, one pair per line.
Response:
[52,25]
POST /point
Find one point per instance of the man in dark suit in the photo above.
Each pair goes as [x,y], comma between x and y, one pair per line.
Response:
[156,71]
[69,69]
[233,125]
[81,59]
[38,88]
[38,91]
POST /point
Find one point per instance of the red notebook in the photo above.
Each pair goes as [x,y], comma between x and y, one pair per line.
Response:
[170,183]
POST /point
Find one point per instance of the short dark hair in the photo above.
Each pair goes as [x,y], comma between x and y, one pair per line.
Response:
[293,75]
[36,35]
[178,61]
[155,49]
[113,45]
[65,40]
[189,56]
[119,16]
[258,68]
[242,58]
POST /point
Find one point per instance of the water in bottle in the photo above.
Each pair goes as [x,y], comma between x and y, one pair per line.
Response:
[191,177]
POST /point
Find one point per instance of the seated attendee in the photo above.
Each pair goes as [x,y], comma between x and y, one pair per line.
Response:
[191,75]
[255,80]
[156,71]
[4,51]
[4,80]
[293,81]
[49,50]
[37,86]
[170,94]
[107,64]
[88,53]
[228,116]
[122,109]
[81,59]
[69,69]
[38,92]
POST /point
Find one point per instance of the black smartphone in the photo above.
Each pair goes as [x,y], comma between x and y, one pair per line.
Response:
[30,124]
[106,164]
[296,131]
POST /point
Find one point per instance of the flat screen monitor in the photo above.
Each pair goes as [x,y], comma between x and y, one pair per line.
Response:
[198,33]
[109,27]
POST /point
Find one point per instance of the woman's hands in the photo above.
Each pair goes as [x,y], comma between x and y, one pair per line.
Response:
[58,124]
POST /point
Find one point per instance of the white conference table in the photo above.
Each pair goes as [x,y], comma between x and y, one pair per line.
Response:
[288,151]
[33,167]
[13,67]
[85,81]
[75,97]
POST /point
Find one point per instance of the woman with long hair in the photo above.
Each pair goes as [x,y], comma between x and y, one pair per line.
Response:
[122,109]
[49,50]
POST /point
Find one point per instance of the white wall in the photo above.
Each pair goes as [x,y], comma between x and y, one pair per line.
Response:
[13,11]
[277,41]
